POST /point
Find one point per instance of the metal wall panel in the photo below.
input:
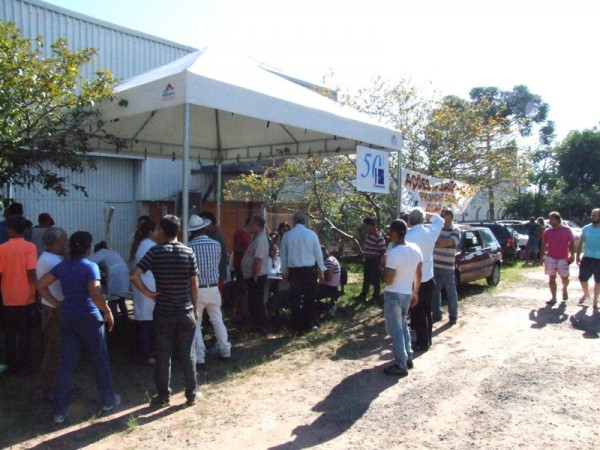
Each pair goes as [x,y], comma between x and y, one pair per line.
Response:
[125,52]
[161,179]
[111,185]
[120,183]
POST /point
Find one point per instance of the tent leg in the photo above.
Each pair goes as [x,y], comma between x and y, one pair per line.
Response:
[185,198]
[219,183]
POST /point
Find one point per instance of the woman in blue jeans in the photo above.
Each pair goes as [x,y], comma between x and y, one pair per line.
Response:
[81,324]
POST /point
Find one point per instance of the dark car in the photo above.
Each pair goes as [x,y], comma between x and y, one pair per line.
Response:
[478,256]
[506,236]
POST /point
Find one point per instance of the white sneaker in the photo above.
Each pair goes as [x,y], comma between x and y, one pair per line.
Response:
[60,418]
[114,405]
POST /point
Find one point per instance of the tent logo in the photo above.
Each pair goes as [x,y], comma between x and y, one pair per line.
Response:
[394,140]
[168,93]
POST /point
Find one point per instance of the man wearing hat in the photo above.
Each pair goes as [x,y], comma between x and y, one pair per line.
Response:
[208,255]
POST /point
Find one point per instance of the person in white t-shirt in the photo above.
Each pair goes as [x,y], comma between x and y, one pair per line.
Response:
[56,241]
[143,306]
[402,277]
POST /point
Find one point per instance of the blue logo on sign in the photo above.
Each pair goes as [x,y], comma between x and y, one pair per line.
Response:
[374,170]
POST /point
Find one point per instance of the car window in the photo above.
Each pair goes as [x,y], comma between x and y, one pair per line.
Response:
[488,238]
[472,240]
[521,229]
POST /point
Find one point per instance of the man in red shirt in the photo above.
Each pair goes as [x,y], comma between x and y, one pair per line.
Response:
[559,243]
[18,260]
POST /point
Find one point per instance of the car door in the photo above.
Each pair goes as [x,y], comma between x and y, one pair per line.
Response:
[490,249]
[471,257]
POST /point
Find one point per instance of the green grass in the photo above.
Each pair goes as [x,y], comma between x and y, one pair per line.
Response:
[132,423]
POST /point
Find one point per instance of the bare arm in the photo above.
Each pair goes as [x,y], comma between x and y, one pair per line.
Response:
[44,291]
[580,248]
[388,276]
[136,279]
[32,277]
[572,251]
[543,251]
[416,285]
[195,295]
[96,293]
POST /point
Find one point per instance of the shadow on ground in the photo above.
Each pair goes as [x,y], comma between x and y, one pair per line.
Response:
[590,325]
[344,405]
[548,315]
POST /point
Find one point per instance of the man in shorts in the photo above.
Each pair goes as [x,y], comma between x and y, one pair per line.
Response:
[590,263]
[559,244]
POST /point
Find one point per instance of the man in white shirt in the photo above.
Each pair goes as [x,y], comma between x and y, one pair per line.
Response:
[421,319]
[302,263]
[56,241]
[255,265]
[402,279]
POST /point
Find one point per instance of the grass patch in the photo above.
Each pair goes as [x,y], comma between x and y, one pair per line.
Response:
[132,423]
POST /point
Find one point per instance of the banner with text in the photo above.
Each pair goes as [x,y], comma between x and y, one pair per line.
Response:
[372,170]
[433,193]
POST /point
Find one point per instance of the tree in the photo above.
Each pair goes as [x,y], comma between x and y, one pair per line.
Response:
[47,111]
[578,158]
[503,117]
[450,136]
[401,105]
[325,185]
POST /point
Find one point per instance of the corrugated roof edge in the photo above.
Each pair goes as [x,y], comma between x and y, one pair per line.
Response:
[103,23]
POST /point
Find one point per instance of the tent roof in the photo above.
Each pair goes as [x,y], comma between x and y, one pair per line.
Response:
[238,111]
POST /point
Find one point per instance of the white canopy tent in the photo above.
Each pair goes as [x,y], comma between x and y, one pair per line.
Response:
[216,108]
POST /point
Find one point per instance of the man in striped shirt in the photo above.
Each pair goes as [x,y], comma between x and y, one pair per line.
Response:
[176,311]
[208,256]
[444,255]
[331,276]
[374,250]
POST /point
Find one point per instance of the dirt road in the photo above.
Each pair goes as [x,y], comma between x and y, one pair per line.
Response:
[512,373]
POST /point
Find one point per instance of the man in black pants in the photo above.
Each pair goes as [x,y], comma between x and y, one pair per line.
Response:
[374,250]
[421,319]
[302,264]
[175,270]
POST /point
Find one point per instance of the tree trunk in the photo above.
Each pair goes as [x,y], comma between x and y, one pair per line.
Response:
[491,205]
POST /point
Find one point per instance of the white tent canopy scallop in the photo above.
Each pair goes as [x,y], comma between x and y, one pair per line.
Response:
[215,107]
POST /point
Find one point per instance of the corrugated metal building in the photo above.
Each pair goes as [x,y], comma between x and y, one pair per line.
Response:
[131,186]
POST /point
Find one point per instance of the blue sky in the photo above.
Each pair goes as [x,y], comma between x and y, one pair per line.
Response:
[449,45]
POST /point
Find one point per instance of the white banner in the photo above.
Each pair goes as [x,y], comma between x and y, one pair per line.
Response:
[372,170]
[433,193]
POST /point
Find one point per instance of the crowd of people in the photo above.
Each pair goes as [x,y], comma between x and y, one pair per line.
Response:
[419,263]
[176,285]
[82,292]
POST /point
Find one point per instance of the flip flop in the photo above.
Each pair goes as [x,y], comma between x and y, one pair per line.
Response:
[552,301]
[583,299]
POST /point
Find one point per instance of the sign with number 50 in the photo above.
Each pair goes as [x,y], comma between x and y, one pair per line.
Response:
[372,170]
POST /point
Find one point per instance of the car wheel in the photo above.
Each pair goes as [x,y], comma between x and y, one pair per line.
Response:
[494,278]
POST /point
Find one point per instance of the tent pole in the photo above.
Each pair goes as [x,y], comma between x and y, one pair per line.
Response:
[185,198]
[220,159]
[400,181]
[219,182]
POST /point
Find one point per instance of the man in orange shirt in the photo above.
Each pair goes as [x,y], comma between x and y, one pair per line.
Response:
[18,259]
